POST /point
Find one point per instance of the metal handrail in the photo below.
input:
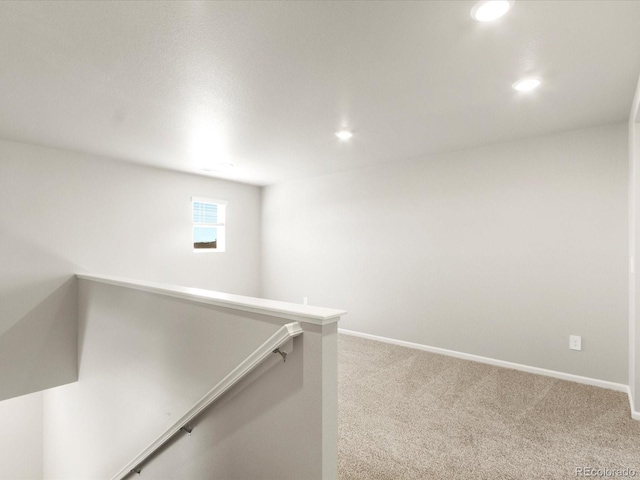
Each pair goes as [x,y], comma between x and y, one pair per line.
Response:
[272,345]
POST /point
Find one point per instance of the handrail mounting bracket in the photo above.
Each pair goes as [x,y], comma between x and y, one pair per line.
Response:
[284,354]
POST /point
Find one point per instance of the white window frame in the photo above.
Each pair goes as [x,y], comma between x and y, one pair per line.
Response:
[220,226]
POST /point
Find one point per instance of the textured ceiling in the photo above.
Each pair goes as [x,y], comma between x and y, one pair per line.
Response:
[188,85]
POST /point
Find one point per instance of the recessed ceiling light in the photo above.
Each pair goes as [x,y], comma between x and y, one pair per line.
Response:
[527,84]
[344,134]
[487,10]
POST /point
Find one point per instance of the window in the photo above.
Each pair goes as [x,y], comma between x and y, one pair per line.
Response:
[208,224]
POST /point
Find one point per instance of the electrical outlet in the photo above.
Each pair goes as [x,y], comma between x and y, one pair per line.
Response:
[575,342]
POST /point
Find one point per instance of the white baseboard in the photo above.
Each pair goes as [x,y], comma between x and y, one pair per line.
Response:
[619,387]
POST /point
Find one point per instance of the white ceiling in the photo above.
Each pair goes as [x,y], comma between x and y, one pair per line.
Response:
[265,85]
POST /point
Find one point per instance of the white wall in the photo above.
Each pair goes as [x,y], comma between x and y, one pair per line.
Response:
[634,320]
[64,212]
[21,439]
[146,359]
[501,251]
[278,423]
[634,250]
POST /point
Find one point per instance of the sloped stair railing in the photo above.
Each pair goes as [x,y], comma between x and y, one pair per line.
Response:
[269,347]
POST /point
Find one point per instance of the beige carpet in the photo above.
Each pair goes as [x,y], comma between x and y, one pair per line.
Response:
[408,414]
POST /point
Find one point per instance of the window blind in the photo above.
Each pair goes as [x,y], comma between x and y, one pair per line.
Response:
[206,213]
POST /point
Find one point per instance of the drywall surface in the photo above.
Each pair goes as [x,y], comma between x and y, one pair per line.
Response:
[21,438]
[63,213]
[280,422]
[502,251]
[632,259]
[146,359]
[634,319]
